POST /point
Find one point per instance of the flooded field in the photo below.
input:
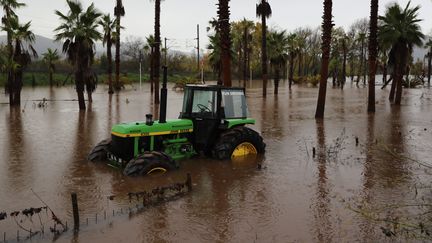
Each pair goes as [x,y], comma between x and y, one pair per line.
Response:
[367,174]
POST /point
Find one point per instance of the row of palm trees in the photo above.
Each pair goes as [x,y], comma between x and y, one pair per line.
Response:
[398,29]
[78,30]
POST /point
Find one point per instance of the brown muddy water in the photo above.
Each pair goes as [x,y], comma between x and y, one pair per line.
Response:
[295,197]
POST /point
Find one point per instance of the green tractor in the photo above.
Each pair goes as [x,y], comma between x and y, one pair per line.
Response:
[213,122]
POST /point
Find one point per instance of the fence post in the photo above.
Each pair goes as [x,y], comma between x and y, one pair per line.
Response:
[189,182]
[75,211]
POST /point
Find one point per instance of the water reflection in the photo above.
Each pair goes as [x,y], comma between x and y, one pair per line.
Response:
[16,164]
[321,205]
[232,201]
[367,228]
[79,176]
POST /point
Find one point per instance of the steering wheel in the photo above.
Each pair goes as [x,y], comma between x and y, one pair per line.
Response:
[203,108]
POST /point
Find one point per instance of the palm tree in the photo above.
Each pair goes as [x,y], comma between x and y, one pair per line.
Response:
[373,53]
[119,12]
[22,54]
[400,28]
[224,30]
[108,25]
[9,7]
[78,30]
[156,50]
[263,10]
[215,55]
[242,38]
[428,45]
[247,50]
[326,42]
[278,53]
[49,58]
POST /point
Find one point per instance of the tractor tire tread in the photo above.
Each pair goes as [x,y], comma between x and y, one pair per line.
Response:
[230,139]
[99,152]
[144,163]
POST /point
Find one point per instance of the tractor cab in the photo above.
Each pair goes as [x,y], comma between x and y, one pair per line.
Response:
[214,102]
[213,108]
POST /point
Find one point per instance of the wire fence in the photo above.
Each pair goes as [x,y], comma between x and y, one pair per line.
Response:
[32,223]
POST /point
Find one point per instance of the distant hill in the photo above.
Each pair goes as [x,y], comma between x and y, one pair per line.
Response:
[43,43]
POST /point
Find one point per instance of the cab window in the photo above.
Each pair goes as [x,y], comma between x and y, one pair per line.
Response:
[204,103]
[234,104]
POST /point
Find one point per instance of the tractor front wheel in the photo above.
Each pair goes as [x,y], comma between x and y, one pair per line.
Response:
[99,152]
[149,163]
[237,142]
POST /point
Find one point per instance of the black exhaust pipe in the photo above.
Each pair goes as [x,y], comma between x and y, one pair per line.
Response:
[164,96]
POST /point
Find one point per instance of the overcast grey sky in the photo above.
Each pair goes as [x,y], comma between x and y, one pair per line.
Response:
[180,17]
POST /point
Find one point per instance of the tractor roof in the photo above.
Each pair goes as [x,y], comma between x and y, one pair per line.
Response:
[210,87]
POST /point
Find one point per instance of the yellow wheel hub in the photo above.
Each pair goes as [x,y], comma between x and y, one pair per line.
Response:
[157,170]
[244,149]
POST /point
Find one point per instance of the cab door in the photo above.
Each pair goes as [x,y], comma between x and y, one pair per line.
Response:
[204,116]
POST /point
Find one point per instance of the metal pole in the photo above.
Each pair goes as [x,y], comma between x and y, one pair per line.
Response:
[164,94]
[166,50]
[140,69]
[202,73]
[198,47]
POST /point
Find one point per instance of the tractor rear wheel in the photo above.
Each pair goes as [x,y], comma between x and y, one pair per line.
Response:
[149,163]
[99,152]
[236,142]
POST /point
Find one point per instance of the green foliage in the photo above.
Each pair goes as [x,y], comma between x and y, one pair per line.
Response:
[401,26]
[308,80]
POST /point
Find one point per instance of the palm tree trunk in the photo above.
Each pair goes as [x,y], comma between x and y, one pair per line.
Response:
[152,70]
[79,85]
[10,77]
[157,53]
[224,15]
[245,54]
[89,96]
[17,76]
[399,69]
[300,64]
[264,53]
[326,42]
[392,89]
[109,56]
[291,70]
[117,85]
[360,71]
[365,69]
[373,52]
[276,80]
[51,76]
